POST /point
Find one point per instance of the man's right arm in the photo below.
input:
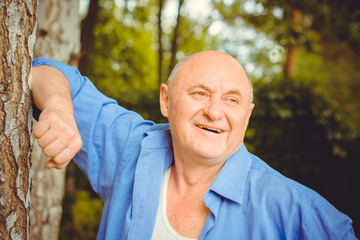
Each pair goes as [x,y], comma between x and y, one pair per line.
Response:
[111,135]
[56,129]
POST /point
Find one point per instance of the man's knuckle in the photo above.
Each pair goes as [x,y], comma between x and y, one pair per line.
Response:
[51,118]
[35,131]
[40,144]
[57,160]
[62,165]
[47,153]
[67,132]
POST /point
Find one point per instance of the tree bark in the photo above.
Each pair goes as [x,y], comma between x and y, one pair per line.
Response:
[58,37]
[18,27]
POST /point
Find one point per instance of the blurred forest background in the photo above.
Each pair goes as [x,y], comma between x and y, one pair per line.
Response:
[303,58]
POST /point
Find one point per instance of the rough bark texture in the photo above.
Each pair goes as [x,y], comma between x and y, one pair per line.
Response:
[17,28]
[58,37]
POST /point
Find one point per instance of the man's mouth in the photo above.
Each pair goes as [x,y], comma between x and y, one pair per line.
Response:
[214,130]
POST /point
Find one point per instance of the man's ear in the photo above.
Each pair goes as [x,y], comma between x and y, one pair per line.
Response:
[164,100]
[251,107]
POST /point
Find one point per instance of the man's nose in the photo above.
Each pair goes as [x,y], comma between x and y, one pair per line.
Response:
[213,109]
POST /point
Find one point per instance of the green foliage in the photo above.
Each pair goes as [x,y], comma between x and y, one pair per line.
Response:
[123,60]
[326,21]
[337,79]
[303,135]
[86,212]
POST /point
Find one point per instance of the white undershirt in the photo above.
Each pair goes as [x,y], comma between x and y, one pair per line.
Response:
[162,229]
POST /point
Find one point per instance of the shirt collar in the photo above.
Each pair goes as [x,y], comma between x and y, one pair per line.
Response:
[158,137]
[231,180]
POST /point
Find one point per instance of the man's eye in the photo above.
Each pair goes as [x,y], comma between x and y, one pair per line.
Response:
[199,93]
[232,100]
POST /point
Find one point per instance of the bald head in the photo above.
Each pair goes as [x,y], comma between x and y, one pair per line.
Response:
[208,58]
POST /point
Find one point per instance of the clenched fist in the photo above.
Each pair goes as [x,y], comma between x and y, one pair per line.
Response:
[58,136]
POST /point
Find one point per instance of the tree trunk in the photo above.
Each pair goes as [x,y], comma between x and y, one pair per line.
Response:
[290,62]
[58,37]
[87,34]
[160,60]
[17,28]
[174,45]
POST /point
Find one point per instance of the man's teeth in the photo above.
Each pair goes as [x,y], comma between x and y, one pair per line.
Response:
[210,129]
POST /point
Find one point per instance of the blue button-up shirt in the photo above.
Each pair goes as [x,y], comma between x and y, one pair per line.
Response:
[125,157]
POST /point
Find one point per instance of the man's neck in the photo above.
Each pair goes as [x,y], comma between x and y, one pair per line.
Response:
[187,176]
[186,209]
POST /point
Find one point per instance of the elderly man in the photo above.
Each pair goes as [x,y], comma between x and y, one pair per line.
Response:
[190,179]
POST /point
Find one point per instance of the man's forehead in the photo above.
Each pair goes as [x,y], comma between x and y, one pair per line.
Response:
[211,73]
[212,68]
[213,61]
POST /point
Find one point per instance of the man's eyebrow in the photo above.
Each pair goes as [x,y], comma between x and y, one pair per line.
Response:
[234,91]
[207,88]
[191,88]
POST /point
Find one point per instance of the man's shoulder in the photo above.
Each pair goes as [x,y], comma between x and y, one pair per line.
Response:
[279,187]
[283,198]
[283,206]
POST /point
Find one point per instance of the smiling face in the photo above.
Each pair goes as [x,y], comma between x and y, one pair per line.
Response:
[208,107]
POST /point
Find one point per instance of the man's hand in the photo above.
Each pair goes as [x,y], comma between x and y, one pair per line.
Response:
[58,136]
[56,129]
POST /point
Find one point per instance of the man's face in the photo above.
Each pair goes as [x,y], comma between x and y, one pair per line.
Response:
[208,107]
